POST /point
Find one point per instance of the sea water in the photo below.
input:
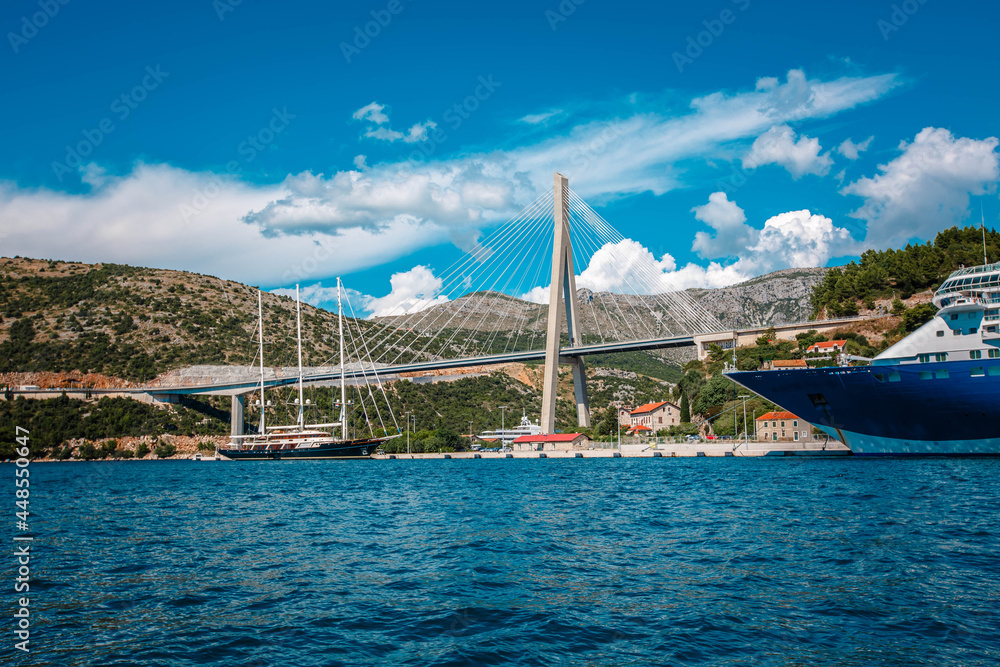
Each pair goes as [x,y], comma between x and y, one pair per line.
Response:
[525,562]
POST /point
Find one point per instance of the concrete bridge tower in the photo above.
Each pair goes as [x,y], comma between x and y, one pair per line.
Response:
[562,299]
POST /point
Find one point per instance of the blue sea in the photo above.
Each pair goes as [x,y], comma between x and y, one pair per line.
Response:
[695,561]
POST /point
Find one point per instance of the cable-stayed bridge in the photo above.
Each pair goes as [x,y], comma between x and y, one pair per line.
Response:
[555,282]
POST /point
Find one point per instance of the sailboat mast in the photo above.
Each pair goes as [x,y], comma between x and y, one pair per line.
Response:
[260,334]
[343,386]
[298,326]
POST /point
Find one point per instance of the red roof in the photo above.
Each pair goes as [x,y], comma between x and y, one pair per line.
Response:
[777,415]
[640,428]
[827,343]
[649,407]
[554,437]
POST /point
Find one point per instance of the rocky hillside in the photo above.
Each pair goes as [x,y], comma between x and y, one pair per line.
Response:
[105,323]
[776,298]
[134,323]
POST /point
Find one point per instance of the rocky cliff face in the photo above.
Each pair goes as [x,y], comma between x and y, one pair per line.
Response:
[775,298]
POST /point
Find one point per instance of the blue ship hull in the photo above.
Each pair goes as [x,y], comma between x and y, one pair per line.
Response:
[946,408]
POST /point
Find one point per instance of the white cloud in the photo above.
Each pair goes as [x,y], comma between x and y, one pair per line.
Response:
[927,187]
[163,217]
[788,240]
[383,133]
[603,159]
[778,146]
[373,112]
[793,240]
[730,236]
[419,132]
[536,118]
[851,150]
[412,291]
[312,226]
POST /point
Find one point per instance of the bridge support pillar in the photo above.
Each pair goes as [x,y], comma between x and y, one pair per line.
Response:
[236,416]
[580,392]
[562,298]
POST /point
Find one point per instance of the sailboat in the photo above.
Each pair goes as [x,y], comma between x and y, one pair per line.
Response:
[301,440]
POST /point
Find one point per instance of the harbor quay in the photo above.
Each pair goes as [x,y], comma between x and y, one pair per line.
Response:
[669,450]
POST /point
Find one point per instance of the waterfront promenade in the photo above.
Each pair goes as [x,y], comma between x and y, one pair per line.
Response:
[668,450]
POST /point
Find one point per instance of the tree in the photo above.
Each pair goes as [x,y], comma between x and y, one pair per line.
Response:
[918,315]
[767,337]
[685,408]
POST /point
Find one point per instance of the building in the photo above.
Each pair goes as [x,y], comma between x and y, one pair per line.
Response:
[640,430]
[827,347]
[782,427]
[655,416]
[549,443]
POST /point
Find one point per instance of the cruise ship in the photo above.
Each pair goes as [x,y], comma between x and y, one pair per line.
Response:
[936,392]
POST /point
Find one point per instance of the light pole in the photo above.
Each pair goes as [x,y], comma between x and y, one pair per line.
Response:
[407,431]
[746,435]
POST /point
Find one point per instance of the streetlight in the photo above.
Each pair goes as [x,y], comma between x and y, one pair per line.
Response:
[407,431]
[745,434]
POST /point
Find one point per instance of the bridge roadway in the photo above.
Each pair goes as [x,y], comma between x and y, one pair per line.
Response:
[235,388]
[702,342]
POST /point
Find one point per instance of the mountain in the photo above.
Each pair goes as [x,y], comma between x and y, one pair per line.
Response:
[775,298]
[134,323]
[122,322]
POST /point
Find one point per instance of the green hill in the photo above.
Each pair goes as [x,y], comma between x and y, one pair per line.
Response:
[901,273]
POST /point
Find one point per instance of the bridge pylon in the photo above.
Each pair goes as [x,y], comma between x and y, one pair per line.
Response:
[562,298]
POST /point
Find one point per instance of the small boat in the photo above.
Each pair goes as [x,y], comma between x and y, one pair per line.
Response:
[201,457]
[301,440]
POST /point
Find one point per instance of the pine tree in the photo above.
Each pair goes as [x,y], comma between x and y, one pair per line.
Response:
[685,409]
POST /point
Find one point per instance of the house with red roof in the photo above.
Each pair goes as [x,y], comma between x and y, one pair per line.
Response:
[827,347]
[654,416]
[551,442]
[782,427]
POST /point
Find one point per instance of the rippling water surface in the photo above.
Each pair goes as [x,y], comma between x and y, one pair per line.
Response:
[533,562]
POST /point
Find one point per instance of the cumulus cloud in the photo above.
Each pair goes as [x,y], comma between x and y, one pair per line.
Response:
[851,150]
[788,240]
[927,187]
[412,291]
[779,146]
[163,217]
[456,195]
[792,240]
[730,236]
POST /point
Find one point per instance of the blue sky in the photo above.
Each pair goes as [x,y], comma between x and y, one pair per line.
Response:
[275,144]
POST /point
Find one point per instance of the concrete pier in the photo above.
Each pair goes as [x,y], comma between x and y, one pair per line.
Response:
[670,450]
